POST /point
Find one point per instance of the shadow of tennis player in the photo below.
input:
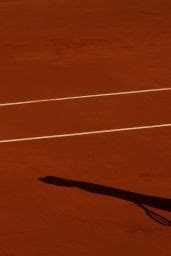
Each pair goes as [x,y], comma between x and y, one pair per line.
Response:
[139,199]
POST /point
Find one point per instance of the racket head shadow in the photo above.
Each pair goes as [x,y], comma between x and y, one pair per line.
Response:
[155,216]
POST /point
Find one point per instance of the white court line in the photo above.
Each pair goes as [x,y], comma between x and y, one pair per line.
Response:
[82,97]
[85,133]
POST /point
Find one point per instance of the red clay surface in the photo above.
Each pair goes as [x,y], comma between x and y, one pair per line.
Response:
[56,48]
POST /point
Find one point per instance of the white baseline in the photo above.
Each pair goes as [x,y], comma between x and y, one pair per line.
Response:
[82,97]
[85,133]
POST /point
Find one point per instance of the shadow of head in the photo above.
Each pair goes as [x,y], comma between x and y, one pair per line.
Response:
[57,181]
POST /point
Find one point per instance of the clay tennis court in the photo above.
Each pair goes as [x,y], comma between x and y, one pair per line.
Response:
[85,127]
